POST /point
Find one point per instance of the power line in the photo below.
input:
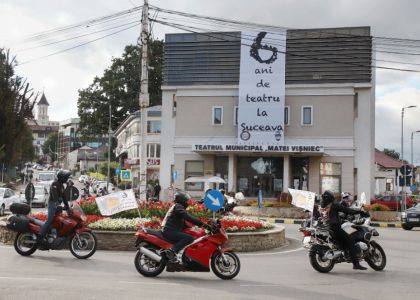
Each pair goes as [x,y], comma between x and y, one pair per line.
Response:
[87,23]
[284,52]
[317,51]
[77,46]
[75,37]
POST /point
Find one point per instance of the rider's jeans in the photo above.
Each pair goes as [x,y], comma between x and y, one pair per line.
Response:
[180,238]
[52,208]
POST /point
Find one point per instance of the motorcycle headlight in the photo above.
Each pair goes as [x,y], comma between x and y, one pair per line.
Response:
[403,214]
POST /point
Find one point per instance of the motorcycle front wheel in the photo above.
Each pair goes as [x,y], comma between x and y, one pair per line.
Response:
[225,265]
[25,243]
[147,266]
[376,257]
[83,245]
[320,264]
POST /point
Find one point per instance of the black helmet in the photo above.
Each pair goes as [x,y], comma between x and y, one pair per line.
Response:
[63,176]
[182,198]
[327,198]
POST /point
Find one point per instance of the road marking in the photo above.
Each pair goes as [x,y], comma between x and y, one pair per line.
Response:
[147,283]
[28,278]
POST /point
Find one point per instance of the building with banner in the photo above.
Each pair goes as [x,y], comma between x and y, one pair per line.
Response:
[292,109]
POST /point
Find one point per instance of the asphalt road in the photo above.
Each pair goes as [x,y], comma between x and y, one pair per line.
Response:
[280,274]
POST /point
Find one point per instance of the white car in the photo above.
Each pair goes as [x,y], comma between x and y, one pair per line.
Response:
[46,178]
[7,197]
[41,195]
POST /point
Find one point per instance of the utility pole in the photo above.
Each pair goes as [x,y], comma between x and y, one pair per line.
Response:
[144,99]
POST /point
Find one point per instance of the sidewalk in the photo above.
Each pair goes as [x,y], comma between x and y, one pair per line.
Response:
[299,221]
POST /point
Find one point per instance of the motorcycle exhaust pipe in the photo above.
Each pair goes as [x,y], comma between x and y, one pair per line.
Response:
[150,254]
[332,254]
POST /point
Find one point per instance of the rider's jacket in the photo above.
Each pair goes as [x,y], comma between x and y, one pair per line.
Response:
[176,216]
[57,194]
[332,212]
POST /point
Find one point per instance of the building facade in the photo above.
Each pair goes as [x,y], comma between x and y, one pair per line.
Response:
[129,143]
[328,118]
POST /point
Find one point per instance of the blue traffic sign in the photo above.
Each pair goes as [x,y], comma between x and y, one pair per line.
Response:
[214,200]
[174,175]
[413,188]
[126,175]
[117,171]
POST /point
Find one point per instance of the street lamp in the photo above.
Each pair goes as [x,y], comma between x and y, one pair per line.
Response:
[402,154]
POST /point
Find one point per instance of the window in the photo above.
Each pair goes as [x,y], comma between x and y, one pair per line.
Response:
[153,150]
[286,115]
[217,115]
[194,168]
[307,116]
[235,115]
[153,126]
[330,177]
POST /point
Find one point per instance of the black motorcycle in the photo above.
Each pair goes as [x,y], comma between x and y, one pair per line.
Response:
[325,251]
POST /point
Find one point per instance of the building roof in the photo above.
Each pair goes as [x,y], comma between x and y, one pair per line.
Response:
[43,100]
[386,161]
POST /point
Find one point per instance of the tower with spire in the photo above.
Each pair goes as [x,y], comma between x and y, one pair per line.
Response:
[42,114]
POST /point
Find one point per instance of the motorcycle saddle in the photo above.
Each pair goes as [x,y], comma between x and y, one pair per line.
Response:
[36,221]
[158,233]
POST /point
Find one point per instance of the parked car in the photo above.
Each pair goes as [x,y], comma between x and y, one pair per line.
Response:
[7,197]
[41,195]
[411,217]
[392,201]
[46,178]
[83,178]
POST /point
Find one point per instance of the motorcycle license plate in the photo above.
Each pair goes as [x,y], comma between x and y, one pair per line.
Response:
[413,219]
[306,240]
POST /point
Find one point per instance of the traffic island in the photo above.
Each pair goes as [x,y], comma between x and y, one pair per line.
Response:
[124,240]
[239,241]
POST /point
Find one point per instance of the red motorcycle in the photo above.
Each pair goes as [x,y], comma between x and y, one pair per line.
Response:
[67,231]
[205,251]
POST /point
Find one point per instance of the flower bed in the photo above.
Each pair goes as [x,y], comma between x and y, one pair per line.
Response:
[230,224]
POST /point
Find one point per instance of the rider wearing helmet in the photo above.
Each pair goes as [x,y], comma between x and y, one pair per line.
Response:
[55,199]
[332,209]
[174,223]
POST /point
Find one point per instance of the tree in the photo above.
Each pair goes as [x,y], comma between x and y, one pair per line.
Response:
[16,101]
[120,86]
[391,152]
[50,146]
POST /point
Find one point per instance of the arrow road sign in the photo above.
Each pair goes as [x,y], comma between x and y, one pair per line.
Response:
[214,200]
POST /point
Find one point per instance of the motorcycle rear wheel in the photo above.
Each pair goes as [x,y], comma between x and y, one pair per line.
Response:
[227,269]
[319,264]
[378,260]
[84,246]
[146,266]
[25,243]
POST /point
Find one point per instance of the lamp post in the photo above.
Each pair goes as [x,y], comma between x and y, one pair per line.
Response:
[402,154]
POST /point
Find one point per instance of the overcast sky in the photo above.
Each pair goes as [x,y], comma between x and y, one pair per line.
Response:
[61,76]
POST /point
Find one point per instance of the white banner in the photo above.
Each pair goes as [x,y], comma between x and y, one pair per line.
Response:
[116,202]
[262,88]
[303,199]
